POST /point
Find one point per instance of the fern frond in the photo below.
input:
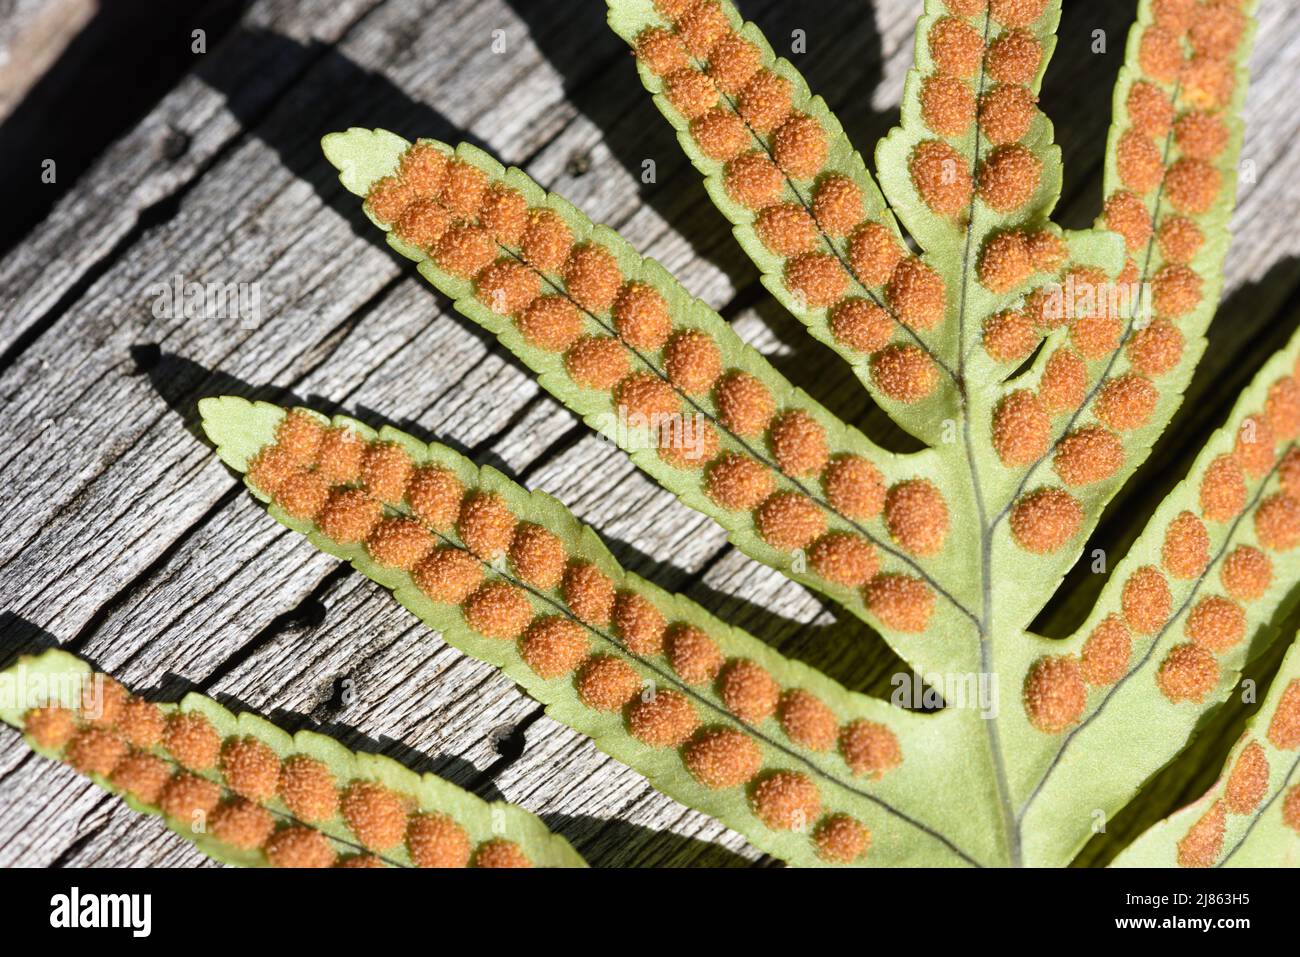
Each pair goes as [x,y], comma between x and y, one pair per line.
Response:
[778,165]
[620,342]
[1027,460]
[1191,602]
[973,173]
[245,792]
[806,770]
[1114,370]
[1251,816]
[973,157]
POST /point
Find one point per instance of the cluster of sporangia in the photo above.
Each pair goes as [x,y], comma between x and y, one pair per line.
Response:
[1247,785]
[1188,78]
[1167,183]
[371,492]
[1056,688]
[179,764]
[741,114]
[618,337]
[1164,162]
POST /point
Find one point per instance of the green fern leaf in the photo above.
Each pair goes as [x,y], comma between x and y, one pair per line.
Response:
[1113,372]
[1251,816]
[1189,604]
[779,166]
[625,346]
[1021,464]
[244,792]
[806,770]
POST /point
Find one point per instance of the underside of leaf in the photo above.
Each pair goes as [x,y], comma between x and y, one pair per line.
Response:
[620,342]
[244,792]
[806,770]
[1251,816]
[779,166]
[1041,365]
[1192,601]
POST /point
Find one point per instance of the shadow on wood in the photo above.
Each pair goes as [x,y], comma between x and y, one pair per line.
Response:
[18,637]
[122,62]
[181,383]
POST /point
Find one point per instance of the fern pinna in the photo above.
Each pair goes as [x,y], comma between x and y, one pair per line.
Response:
[1038,365]
[245,792]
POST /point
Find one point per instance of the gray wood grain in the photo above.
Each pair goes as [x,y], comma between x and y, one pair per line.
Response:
[126,540]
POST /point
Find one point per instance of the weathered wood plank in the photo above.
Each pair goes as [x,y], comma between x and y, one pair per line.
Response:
[275,211]
[115,639]
[131,186]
